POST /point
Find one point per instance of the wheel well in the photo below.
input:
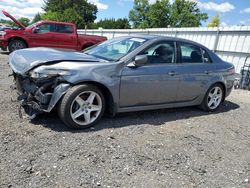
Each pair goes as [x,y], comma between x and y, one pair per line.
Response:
[110,107]
[224,88]
[18,38]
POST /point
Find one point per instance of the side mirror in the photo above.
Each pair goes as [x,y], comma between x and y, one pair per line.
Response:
[36,30]
[139,61]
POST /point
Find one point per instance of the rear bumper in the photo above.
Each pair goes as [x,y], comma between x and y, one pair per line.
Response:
[230,84]
[229,90]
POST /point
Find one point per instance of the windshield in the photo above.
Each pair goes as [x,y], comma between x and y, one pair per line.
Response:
[115,49]
[29,26]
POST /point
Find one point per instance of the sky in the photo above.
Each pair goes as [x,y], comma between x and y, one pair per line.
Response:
[232,12]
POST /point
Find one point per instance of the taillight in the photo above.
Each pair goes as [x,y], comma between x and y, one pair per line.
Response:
[231,71]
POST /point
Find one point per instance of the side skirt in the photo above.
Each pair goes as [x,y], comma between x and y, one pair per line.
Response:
[160,106]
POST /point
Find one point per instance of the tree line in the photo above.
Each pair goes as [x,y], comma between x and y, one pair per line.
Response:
[161,14]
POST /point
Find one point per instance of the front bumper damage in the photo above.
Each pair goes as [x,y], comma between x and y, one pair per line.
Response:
[39,96]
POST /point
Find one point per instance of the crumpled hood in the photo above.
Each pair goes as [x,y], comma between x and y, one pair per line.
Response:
[21,61]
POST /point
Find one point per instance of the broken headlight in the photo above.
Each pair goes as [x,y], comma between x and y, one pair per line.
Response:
[40,73]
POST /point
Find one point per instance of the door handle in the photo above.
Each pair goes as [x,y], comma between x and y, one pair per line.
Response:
[172,73]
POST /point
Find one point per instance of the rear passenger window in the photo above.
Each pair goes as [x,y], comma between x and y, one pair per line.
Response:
[190,53]
[61,28]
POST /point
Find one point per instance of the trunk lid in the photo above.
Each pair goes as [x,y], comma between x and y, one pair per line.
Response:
[21,61]
[14,20]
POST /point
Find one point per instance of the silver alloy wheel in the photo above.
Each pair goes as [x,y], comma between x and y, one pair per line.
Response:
[86,108]
[214,97]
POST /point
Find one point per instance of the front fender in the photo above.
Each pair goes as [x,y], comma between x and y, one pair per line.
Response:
[59,91]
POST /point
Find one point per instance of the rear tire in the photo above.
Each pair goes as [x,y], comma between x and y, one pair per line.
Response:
[16,44]
[82,106]
[213,98]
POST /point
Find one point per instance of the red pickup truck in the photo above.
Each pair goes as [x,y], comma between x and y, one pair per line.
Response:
[46,34]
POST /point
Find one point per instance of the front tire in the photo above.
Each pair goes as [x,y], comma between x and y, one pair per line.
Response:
[213,98]
[16,44]
[82,106]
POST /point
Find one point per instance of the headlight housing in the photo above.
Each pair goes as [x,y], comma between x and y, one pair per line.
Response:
[2,33]
[40,73]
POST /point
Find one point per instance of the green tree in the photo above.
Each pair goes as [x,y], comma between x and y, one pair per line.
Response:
[53,16]
[112,23]
[37,18]
[122,23]
[186,14]
[80,12]
[215,21]
[5,22]
[159,14]
[24,21]
[181,13]
[139,14]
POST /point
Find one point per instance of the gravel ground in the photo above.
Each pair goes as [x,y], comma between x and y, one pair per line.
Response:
[165,148]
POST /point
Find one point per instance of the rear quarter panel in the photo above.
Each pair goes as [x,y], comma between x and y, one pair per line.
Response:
[227,77]
[222,72]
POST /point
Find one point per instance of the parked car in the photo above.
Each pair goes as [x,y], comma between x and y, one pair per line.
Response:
[2,29]
[46,34]
[124,74]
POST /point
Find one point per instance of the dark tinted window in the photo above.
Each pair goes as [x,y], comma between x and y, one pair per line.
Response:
[45,28]
[190,53]
[163,52]
[61,28]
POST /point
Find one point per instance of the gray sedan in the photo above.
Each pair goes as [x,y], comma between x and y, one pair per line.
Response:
[124,74]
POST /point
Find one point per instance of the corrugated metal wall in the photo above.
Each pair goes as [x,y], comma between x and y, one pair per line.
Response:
[232,44]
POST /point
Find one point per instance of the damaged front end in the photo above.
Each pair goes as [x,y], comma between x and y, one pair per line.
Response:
[42,76]
[39,95]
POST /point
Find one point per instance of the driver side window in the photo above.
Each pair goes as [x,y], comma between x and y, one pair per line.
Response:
[46,28]
[159,53]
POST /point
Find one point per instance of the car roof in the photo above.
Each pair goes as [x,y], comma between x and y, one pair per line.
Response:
[158,37]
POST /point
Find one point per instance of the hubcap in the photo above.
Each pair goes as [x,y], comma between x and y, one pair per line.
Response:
[214,97]
[86,108]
